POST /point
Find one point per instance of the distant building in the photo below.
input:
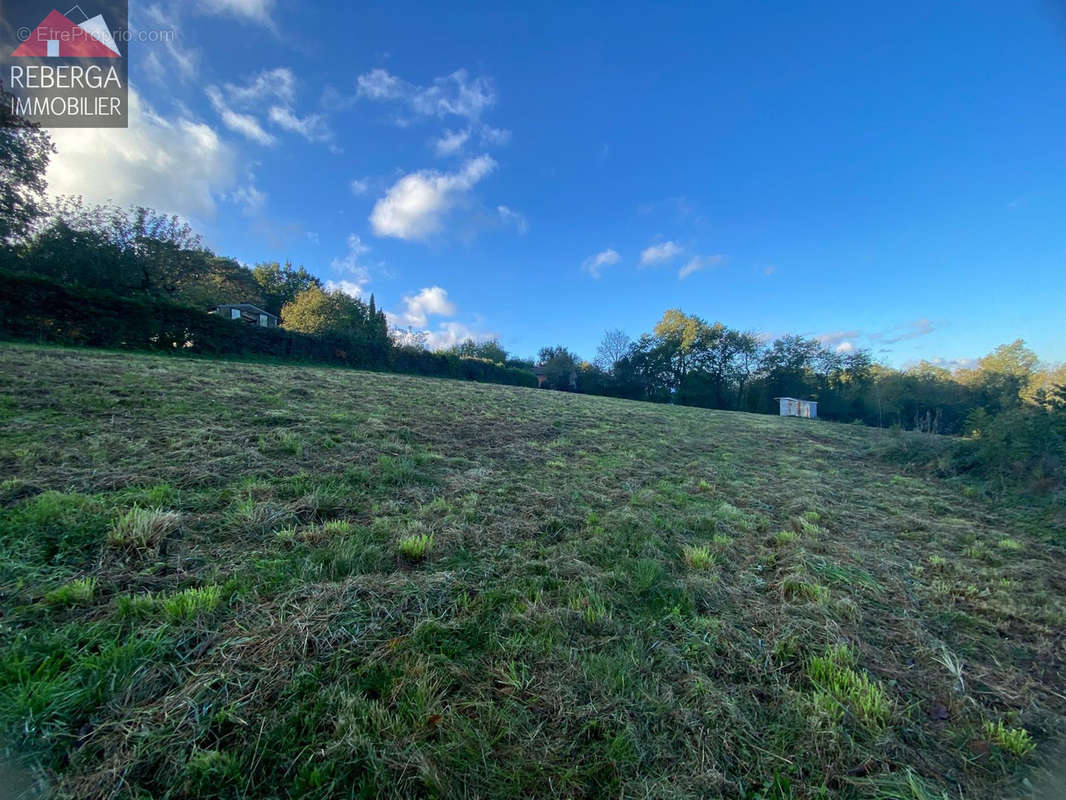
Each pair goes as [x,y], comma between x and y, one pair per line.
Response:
[248,314]
[791,407]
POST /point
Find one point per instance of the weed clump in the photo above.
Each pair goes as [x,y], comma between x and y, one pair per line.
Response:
[1015,741]
[834,676]
[783,538]
[180,606]
[699,556]
[143,528]
[798,588]
[78,592]
[416,546]
[193,602]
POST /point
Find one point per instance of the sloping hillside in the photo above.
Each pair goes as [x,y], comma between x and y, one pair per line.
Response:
[233,580]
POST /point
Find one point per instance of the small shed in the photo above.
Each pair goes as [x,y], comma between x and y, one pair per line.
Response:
[794,407]
[247,313]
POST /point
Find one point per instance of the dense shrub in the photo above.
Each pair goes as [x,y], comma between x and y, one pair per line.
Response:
[1022,450]
[1020,447]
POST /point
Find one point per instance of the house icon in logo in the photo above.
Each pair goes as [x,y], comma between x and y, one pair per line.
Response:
[58,37]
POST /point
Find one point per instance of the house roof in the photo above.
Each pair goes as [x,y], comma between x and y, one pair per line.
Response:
[798,400]
[246,307]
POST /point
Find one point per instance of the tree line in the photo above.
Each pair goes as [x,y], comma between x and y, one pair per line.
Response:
[689,361]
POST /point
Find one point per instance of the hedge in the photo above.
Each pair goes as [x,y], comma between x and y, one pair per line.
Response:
[36,309]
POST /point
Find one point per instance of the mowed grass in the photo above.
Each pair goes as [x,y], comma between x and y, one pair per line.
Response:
[236,581]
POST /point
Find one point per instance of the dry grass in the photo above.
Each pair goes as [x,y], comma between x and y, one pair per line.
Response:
[143,528]
[204,595]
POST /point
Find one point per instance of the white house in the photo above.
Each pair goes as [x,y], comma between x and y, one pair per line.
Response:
[792,407]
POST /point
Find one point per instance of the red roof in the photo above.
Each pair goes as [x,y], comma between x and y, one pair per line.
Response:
[74,41]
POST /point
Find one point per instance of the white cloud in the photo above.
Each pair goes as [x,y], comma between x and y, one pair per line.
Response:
[250,198]
[313,127]
[658,253]
[449,334]
[594,264]
[415,206]
[494,136]
[699,263]
[235,102]
[378,84]
[412,324]
[350,264]
[279,83]
[511,217]
[244,124]
[903,333]
[359,186]
[451,142]
[846,347]
[418,308]
[350,288]
[172,56]
[257,11]
[455,95]
[836,337]
[176,166]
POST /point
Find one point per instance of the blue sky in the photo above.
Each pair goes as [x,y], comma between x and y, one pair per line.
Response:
[890,176]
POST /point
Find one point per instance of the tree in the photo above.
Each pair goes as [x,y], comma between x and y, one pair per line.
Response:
[224,280]
[1047,389]
[613,347]
[748,353]
[1002,376]
[157,255]
[78,257]
[338,315]
[644,372]
[490,350]
[379,331]
[320,313]
[280,284]
[788,365]
[684,338]
[560,367]
[25,150]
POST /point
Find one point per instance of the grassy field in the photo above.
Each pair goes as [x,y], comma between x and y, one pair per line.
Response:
[234,580]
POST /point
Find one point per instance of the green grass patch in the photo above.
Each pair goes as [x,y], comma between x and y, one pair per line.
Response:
[1015,741]
[78,592]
